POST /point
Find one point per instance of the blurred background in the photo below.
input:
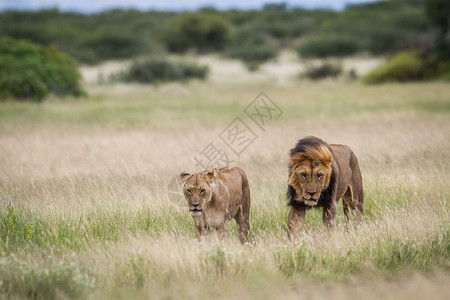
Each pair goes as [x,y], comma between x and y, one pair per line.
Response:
[104,103]
[199,39]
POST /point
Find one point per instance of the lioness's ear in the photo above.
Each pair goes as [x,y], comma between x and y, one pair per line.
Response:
[184,176]
[210,174]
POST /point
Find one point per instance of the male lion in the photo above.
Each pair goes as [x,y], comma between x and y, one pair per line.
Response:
[320,175]
[215,197]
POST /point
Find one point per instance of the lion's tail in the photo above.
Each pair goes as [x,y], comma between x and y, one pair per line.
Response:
[357,182]
[245,195]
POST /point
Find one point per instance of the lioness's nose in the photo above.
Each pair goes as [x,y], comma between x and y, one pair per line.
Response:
[194,204]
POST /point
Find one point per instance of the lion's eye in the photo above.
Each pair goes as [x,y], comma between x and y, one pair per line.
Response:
[202,191]
[304,175]
[319,176]
[189,191]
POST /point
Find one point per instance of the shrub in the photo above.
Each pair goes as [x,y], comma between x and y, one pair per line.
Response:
[197,31]
[162,70]
[109,45]
[29,71]
[324,70]
[438,12]
[329,45]
[405,66]
[252,56]
[252,47]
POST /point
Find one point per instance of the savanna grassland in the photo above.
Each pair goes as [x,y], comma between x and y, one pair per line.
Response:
[85,209]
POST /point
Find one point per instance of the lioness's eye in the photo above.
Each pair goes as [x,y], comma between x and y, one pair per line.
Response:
[202,191]
[188,190]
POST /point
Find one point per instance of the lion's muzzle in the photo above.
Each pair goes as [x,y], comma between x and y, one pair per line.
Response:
[196,212]
[311,199]
[311,202]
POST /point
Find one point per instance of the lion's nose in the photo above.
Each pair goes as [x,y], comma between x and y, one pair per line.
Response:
[311,194]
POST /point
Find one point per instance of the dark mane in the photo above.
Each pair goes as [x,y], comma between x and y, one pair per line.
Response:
[312,147]
[325,197]
[306,144]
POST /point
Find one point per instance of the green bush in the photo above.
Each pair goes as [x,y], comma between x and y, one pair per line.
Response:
[377,27]
[438,12]
[252,56]
[253,48]
[158,70]
[197,31]
[405,66]
[329,45]
[324,70]
[109,45]
[29,71]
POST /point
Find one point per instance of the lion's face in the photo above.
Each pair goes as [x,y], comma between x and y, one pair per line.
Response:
[197,191]
[309,178]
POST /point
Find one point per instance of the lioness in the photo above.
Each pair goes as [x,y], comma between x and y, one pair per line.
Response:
[215,197]
[320,175]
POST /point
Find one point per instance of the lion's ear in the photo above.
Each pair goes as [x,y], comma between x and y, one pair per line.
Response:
[210,174]
[184,176]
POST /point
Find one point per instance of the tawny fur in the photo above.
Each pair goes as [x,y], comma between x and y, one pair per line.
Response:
[319,176]
[217,196]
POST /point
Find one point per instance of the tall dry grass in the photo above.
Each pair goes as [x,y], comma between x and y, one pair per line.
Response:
[91,215]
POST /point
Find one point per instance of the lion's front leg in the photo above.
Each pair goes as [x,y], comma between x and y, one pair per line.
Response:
[295,222]
[200,225]
[329,215]
[221,231]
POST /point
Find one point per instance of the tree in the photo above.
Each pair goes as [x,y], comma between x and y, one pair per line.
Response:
[30,71]
[438,12]
[198,31]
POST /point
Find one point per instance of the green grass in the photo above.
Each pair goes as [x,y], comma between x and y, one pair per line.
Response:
[91,216]
[157,107]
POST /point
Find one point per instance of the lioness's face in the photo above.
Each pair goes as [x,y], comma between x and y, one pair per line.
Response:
[309,179]
[197,191]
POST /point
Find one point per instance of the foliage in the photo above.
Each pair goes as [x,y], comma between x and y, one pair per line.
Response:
[329,45]
[200,32]
[252,49]
[252,55]
[89,38]
[376,28]
[162,70]
[29,71]
[405,66]
[323,70]
[109,45]
[438,12]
